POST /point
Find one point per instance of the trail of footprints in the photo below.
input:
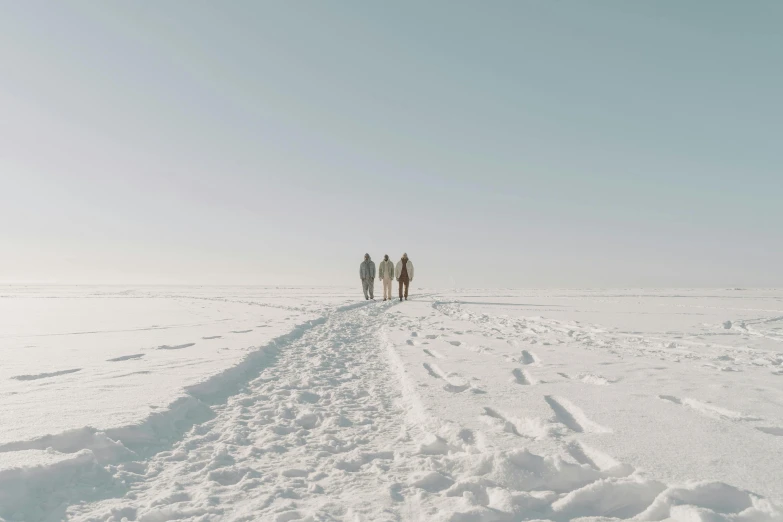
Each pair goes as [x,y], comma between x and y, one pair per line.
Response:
[323,419]
[566,424]
[723,414]
[312,417]
[177,346]
[567,417]
[37,376]
[122,358]
[570,419]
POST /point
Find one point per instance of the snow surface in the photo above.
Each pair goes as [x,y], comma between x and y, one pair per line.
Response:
[211,403]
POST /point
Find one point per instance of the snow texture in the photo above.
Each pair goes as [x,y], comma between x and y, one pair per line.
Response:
[202,404]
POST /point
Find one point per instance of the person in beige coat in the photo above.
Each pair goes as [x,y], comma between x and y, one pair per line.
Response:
[386,274]
[404,274]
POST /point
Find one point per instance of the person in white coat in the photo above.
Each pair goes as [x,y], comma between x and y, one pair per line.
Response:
[404,274]
[386,274]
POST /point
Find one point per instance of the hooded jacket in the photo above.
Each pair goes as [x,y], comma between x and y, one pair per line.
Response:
[398,271]
[367,269]
[386,269]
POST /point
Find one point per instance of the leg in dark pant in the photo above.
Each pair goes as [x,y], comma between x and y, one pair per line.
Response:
[404,283]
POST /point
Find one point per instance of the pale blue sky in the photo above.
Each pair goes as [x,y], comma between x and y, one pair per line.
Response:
[498,143]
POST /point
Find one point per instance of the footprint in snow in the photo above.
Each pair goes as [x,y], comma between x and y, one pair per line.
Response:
[44,375]
[395,492]
[521,377]
[175,347]
[591,378]
[309,397]
[527,358]
[126,357]
[467,436]
[709,410]
[508,425]
[572,416]
[141,372]
[454,383]
[597,460]
[430,371]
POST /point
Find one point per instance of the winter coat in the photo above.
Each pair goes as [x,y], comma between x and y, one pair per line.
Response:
[386,269]
[398,271]
[367,269]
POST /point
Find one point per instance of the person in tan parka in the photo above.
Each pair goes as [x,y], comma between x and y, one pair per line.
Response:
[386,274]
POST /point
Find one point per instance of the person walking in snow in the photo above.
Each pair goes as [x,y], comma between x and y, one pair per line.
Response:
[367,274]
[404,274]
[386,274]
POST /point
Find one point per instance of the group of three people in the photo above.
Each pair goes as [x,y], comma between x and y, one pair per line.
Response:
[386,272]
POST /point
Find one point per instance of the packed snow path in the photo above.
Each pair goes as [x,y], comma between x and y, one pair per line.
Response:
[424,410]
[315,433]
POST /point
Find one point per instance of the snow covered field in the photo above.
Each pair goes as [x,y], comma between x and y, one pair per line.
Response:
[206,403]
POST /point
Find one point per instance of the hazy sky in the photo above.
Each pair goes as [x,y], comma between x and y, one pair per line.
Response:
[519,143]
